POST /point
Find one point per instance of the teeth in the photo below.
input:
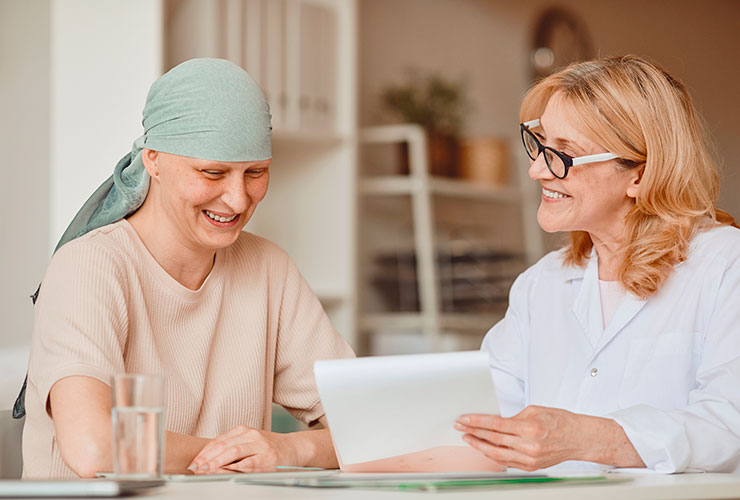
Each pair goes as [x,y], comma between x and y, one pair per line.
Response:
[553,194]
[219,218]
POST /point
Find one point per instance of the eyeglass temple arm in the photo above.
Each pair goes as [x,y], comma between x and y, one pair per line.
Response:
[594,158]
[532,123]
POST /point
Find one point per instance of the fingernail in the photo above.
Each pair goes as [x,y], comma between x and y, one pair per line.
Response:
[459,426]
[203,467]
[464,420]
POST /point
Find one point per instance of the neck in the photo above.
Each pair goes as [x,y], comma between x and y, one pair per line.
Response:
[609,250]
[188,266]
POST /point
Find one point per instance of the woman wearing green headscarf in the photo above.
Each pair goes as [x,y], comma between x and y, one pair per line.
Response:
[155,275]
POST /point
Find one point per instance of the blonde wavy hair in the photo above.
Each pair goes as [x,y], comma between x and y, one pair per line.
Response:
[636,110]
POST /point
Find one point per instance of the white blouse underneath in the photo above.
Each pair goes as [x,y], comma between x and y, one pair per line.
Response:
[611,293]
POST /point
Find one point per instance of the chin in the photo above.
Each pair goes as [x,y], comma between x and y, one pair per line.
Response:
[553,221]
[548,225]
[222,241]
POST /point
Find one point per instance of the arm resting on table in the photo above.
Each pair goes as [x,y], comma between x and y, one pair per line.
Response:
[81,411]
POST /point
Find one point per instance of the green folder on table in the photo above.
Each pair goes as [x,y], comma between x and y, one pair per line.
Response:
[422,481]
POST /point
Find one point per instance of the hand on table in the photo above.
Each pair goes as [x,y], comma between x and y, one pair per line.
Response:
[535,438]
[244,449]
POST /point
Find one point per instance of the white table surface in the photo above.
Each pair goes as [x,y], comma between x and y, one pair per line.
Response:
[639,487]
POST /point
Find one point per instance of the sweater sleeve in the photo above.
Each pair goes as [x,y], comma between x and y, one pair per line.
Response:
[305,335]
[705,434]
[80,320]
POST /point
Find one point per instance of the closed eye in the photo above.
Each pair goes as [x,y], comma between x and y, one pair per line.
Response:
[255,172]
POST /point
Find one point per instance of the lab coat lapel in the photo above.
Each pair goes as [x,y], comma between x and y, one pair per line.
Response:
[587,309]
[587,306]
[628,308]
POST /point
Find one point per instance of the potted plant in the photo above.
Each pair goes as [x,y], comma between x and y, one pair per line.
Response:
[438,105]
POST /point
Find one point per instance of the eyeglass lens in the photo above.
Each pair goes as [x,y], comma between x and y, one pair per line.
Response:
[533,147]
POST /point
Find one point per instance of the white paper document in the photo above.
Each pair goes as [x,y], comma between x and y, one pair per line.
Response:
[393,406]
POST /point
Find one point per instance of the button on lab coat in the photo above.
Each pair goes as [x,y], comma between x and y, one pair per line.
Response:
[667,369]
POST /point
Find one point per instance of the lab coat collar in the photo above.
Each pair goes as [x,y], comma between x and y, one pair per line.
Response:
[587,307]
[573,272]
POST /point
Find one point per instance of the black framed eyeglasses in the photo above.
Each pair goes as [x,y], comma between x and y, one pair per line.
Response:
[557,162]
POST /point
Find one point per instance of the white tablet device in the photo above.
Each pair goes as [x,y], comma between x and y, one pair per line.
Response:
[397,413]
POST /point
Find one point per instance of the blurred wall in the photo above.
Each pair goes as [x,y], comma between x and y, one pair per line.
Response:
[488,42]
[105,55]
[73,79]
[24,140]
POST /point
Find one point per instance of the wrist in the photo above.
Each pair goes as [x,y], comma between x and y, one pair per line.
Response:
[315,449]
[300,450]
[596,436]
[606,443]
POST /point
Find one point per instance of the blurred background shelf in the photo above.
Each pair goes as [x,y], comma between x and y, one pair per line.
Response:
[404,185]
[436,255]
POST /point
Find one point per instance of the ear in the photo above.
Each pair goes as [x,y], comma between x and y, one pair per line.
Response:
[150,158]
[633,188]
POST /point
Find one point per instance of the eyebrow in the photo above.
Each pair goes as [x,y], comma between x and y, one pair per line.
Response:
[566,144]
[561,143]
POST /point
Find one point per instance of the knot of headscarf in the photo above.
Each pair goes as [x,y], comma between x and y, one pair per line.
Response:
[203,108]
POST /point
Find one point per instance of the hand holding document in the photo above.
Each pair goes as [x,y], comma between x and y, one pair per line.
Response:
[397,413]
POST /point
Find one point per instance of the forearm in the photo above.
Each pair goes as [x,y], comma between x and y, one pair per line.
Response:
[314,449]
[97,451]
[605,442]
[180,449]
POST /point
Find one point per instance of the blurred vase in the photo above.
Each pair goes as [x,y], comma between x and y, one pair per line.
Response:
[484,160]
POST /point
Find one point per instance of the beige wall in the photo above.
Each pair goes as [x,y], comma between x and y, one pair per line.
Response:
[24,142]
[488,42]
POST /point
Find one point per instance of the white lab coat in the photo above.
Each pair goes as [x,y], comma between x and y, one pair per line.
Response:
[667,369]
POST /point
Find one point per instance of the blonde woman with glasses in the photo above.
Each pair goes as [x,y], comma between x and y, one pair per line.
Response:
[623,347]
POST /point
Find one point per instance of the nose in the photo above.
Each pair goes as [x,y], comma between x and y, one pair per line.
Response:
[538,169]
[235,193]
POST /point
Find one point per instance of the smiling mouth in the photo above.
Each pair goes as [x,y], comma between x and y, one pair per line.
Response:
[219,218]
[555,195]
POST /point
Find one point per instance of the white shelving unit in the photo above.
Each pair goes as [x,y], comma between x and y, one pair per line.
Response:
[431,321]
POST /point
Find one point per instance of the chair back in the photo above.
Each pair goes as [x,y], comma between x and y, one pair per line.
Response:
[11,433]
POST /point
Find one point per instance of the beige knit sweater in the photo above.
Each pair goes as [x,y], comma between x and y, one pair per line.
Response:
[248,337]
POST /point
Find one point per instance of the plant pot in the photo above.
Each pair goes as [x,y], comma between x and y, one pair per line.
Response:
[443,152]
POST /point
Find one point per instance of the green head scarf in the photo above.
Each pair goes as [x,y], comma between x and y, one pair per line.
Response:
[203,108]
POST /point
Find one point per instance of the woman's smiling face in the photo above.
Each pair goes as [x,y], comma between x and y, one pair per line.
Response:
[207,202]
[594,197]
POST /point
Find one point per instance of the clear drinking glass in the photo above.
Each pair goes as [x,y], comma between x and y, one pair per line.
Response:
[138,425]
